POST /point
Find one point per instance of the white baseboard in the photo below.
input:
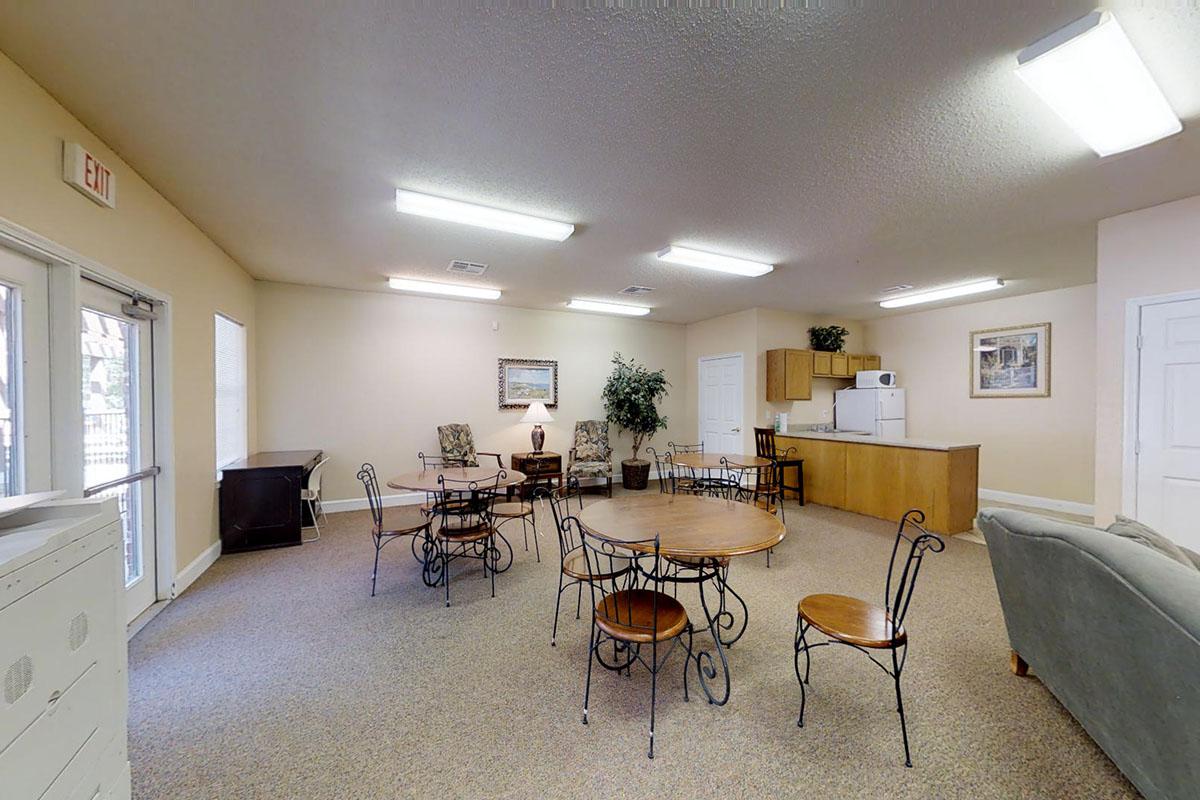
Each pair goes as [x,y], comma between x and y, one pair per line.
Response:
[1033,501]
[187,576]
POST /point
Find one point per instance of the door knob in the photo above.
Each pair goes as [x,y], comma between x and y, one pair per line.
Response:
[737,430]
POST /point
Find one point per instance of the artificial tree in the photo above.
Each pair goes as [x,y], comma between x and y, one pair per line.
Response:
[631,397]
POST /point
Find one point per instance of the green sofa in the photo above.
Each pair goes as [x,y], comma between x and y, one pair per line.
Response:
[1112,628]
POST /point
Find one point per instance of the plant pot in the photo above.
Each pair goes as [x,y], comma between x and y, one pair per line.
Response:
[635,473]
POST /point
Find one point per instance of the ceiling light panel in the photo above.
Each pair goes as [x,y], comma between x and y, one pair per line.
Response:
[943,294]
[426,205]
[1090,75]
[697,258]
[448,289]
[607,308]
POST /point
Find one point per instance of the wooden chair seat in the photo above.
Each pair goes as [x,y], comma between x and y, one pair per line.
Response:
[695,562]
[402,531]
[512,510]
[851,620]
[575,566]
[471,533]
[628,615]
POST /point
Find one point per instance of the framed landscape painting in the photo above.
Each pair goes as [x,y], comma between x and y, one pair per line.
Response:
[523,380]
[1011,362]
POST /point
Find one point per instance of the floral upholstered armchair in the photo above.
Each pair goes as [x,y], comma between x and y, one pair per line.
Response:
[458,446]
[591,455]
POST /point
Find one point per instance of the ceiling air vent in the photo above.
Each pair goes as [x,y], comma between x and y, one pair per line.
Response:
[636,290]
[899,287]
[467,267]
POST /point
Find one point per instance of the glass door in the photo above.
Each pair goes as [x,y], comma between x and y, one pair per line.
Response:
[24,375]
[118,425]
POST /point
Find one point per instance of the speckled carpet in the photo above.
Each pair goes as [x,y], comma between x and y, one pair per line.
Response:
[277,675]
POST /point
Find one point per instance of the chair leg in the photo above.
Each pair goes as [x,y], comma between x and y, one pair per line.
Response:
[537,548]
[487,556]
[557,603]
[579,600]
[375,569]
[900,709]
[587,687]
[445,553]
[525,534]
[687,662]
[801,645]
[653,690]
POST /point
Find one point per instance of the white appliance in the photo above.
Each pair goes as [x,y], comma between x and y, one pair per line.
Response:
[874,379]
[64,708]
[875,411]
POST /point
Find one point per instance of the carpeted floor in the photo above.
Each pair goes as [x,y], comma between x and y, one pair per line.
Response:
[276,675]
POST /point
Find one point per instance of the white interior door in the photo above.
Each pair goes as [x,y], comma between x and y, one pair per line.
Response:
[24,374]
[1168,449]
[118,428]
[721,404]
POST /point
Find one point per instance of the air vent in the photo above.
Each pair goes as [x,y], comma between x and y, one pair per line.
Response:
[899,287]
[467,267]
[18,679]
[78,632]
[636,290]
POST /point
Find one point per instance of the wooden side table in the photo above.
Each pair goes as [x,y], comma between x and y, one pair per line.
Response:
[545,466]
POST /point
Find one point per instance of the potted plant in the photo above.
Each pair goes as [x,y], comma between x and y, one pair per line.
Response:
[631,398]
[828,338]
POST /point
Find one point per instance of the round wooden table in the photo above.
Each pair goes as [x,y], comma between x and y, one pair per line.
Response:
[427,480]
[718,460]
[707,531]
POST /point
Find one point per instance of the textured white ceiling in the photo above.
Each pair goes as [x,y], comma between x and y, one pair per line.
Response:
[856,148]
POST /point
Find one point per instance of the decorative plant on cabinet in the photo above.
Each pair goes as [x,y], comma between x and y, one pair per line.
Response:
[828,339]
[631,398]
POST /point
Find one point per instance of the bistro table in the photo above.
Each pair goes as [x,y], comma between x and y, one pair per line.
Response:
[705,530]
[430,482]
[703,464]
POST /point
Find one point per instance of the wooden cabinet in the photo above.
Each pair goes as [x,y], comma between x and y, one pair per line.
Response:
[789,375]
[790,372]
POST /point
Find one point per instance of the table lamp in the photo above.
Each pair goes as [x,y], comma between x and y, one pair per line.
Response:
[537,414]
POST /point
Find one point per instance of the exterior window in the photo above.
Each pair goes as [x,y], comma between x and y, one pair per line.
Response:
[10,362]
[231,390]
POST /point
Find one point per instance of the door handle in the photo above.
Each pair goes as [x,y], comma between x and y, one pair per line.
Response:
[736,430]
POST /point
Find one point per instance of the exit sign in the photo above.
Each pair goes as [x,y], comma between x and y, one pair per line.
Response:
[88,175]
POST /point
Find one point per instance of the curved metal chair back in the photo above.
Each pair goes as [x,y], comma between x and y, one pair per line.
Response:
[466,505]
[664,465]
[560,507]
[898,594]
[439,462]
[370,483]
[613,569]
[678,449]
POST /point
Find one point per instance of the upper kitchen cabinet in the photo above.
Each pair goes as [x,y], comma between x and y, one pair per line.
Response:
[790,372]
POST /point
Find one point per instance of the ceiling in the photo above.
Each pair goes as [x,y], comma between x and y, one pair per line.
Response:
[854,147]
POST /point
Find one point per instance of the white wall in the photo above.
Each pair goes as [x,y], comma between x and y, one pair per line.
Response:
[1032,446]
[1143,253]
[369,376]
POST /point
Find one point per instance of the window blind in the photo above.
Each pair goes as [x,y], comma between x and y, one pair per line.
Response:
[231,401]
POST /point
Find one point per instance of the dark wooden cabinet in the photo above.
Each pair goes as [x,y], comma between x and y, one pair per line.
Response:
[539,468]
[260,500]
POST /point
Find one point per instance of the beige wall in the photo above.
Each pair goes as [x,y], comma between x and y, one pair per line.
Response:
[369,376]
[1032,446]
[720,336]
[1144,253]
[785,329]
[148,240]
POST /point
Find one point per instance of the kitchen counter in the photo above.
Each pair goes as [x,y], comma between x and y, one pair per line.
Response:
[864,438]
[883,477]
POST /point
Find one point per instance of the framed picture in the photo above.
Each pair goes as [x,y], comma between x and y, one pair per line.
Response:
[523,380]
[1011,362]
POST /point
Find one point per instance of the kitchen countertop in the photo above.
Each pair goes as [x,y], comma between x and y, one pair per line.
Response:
[862,438]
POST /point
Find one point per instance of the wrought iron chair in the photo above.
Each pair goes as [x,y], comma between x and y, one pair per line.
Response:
[866,627]
[572,568]
[687,480]
[380,536]
[435,464]
[590,455]
[764,447]
[466,529]
[664,466]
[506,511]
[458,445]
[629,611]
[758,486]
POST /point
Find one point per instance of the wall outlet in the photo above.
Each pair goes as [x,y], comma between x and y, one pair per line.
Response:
[824,413]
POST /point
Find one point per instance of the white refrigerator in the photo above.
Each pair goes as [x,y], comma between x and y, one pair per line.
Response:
[876,411]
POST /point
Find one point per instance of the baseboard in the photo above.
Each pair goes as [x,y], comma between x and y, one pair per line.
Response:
[360,503]
[187,576]
[1045,503]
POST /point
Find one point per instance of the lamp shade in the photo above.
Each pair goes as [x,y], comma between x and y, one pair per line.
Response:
[537,413]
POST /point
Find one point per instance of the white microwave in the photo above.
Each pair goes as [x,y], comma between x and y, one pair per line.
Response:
[874,379]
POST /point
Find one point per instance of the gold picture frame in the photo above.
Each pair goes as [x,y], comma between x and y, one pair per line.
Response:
[1010,362]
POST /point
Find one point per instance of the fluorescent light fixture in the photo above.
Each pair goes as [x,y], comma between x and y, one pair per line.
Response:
[607,308]
[452,289]
[426,205]
[696,258]
[1090,75]
[943,294]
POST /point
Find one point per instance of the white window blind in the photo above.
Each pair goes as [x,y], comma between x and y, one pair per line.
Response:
[231,390]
